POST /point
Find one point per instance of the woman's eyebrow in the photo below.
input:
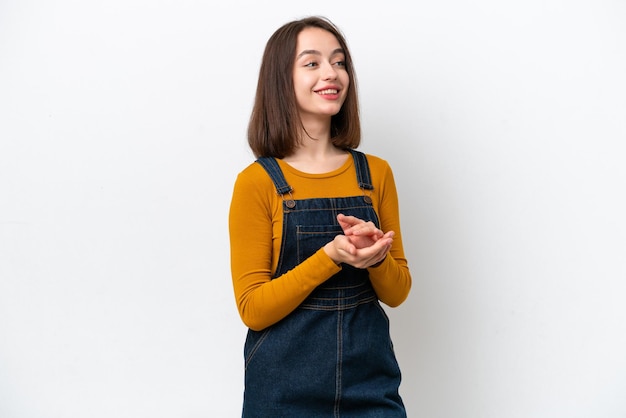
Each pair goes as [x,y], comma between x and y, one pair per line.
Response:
[316,52]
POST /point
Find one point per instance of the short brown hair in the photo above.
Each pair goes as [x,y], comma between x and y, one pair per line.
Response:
[275,126]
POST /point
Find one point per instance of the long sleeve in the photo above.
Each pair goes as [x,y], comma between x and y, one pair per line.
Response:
[262,301]
[391,279]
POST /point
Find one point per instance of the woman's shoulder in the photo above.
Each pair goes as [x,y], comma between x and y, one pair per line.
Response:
[376,162]
[253,168]
[254,175]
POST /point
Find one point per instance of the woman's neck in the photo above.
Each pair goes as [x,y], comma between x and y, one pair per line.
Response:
[316,153]
[316,157]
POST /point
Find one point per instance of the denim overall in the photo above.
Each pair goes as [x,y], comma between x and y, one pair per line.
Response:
[332,356]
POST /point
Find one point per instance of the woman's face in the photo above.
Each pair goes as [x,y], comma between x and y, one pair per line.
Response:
[319,76]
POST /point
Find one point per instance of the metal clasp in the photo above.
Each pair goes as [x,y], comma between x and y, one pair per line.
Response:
[290,203]
[367,196]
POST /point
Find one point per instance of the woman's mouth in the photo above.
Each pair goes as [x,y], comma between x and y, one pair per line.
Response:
[327,91]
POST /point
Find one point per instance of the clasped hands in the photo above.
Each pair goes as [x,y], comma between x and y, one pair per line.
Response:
[362,244]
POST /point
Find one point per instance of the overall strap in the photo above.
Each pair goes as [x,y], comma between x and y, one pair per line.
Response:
[276,174]
[362,170]
[360,163]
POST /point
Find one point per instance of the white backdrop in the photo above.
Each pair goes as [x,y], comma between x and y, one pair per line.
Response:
[122,128]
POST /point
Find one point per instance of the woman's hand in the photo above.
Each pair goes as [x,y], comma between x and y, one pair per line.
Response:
[362,244]
[362,234]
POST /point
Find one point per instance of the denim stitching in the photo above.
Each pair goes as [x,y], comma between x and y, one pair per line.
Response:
[256,346]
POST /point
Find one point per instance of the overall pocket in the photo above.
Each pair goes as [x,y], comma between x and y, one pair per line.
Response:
[311,238]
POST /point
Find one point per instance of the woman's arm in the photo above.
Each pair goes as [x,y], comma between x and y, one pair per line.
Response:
[262,301]
[391,279]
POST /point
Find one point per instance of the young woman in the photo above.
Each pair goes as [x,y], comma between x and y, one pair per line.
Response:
[315,240]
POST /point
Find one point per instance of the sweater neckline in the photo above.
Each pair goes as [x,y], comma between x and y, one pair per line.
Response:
[345,166]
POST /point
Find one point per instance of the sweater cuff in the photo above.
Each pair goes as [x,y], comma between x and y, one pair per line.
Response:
[327,263]
[373,266]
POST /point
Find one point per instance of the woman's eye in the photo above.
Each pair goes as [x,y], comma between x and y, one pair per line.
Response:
[340,63]
[311,64]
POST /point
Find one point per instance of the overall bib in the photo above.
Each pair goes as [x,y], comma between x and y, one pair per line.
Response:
[333,355]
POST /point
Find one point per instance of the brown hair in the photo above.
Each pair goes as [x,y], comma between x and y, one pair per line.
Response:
[275,127]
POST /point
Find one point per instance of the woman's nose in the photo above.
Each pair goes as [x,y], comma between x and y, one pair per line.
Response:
[330,73]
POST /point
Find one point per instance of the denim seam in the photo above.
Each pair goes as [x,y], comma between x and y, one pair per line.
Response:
[338,377]
[256,346]
[343,307]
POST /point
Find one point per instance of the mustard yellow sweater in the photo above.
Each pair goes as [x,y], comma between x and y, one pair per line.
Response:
[255,225]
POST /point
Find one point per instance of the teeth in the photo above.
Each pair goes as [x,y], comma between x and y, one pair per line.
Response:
[327,91]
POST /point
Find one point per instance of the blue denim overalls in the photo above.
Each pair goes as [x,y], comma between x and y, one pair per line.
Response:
[332,356]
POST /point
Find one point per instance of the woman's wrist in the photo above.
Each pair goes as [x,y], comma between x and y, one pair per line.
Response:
[379,263]
[331,252]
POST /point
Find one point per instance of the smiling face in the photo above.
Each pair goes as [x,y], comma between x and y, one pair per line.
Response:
[320,78]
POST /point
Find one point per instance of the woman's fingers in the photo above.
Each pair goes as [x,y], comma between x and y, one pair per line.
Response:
[362,257]
[354,226]
[362,243]
[347,222]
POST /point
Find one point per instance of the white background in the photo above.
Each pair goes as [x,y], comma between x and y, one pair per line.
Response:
[122,128]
